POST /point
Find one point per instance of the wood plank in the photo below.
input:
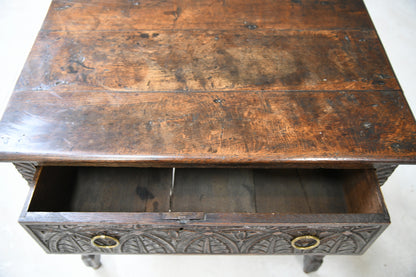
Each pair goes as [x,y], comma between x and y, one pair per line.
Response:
[205,14]
[207,61]
[213,191]
[362,192]
[279,191]
[122,190]
[323,190]
[52,192]
[87,189]
[304,191]
[209,128]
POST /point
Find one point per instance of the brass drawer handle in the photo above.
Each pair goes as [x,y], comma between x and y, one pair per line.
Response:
[309,247]
[116,242]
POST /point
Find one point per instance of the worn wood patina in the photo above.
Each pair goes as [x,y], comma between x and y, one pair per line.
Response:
[207,127]
[208,83]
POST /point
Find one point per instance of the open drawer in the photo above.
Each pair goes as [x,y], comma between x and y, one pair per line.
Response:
[207,211]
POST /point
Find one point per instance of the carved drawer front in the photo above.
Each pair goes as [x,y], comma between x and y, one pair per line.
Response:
[150,239]
[205,211]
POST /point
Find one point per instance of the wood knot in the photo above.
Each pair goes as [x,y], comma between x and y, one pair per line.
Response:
[250,26]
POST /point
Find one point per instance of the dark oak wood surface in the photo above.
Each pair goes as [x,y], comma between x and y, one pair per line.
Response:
[118,15]
[209,128]
[208,83]
[206,61]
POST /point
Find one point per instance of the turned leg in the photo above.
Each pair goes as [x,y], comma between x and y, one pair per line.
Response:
[312,263]
[92,261]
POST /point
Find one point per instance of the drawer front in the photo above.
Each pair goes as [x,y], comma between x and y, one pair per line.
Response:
[148,239]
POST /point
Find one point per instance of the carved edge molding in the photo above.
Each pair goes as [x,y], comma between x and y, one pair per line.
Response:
[384,171]
[142,239]
[27,170]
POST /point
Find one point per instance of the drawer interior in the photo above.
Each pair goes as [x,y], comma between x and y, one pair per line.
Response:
[107,189]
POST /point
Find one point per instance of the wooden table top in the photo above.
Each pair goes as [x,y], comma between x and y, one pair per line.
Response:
[209,82]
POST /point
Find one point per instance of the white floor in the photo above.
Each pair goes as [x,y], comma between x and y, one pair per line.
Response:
[393,254]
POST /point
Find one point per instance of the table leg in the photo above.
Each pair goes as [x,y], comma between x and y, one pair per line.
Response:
[312,263]
[92,261]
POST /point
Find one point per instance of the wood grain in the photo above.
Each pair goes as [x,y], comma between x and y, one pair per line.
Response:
[207,61]
[209,128]
[208,83]
[316,191]
[363,195]
[199,191]
[214,190]
[86,189]
[121,190]
[279,191]
[117,15]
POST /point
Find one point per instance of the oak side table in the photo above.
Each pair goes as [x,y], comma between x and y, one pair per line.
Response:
[207,127]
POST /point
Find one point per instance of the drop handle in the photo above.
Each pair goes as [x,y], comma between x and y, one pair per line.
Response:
[305,242]
[184,217]
[106,242]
